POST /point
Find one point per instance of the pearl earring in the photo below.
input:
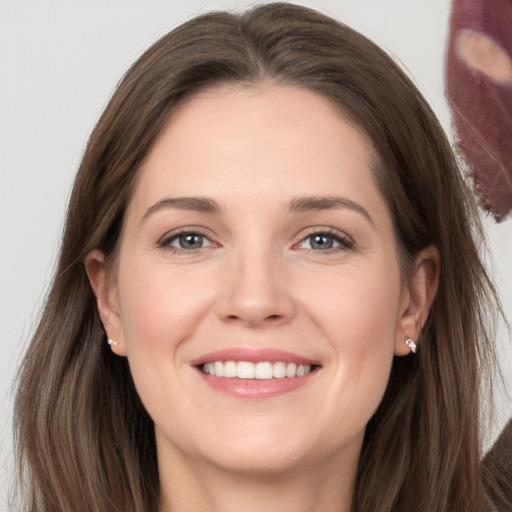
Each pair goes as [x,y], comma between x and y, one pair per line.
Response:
[112,342]
[411,344]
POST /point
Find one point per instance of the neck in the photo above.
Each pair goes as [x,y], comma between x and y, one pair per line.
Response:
[200,487]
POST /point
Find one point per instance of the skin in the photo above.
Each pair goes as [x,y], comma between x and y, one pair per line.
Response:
[257,281]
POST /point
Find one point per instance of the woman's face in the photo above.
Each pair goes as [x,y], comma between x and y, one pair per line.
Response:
[256,245]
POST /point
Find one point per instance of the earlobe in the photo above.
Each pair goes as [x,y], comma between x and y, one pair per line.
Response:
[418,298]
[105,291]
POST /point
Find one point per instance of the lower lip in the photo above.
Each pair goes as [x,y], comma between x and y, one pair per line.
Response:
[255,388]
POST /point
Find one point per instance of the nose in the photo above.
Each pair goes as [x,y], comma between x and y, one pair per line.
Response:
[257,292]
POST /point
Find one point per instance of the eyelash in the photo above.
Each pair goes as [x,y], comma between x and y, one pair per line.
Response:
[344,241]
[166,240]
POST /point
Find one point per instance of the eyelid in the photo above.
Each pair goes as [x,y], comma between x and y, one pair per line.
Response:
[345,241]
[164,241]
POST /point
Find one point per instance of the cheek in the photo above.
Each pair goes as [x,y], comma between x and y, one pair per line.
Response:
[159,305]
[357,307]
[359,317]
[363,335]
[161,309]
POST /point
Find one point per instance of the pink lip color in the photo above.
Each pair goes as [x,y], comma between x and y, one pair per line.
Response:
[252,355]
[253,388]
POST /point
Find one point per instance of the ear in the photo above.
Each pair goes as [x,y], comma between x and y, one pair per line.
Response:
[107,301]
[417,297]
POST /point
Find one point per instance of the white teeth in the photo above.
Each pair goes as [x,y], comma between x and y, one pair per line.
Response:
[219,369]
[279,370]
[230,369]
[245,370]
[262,370]
[291,370]
[301,370]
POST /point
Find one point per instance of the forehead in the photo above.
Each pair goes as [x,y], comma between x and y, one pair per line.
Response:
[257,142]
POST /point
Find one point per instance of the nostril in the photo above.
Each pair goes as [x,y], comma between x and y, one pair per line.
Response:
[253,305]
[268,318]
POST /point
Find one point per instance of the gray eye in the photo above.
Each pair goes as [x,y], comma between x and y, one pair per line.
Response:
[190,241]
[320,242]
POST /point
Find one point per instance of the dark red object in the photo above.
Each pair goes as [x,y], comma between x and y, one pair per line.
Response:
[479,90]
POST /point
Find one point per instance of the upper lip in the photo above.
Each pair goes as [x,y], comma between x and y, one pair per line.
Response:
[252,355]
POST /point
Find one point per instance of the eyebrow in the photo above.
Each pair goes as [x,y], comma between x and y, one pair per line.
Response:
[296,205]
[318,203]
[196,204]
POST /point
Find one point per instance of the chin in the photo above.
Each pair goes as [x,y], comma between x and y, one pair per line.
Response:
[271,460]
[264,448]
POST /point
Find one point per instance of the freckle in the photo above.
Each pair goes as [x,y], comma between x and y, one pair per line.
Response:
[483,54]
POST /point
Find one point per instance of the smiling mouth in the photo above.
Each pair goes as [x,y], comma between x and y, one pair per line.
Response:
[264,370]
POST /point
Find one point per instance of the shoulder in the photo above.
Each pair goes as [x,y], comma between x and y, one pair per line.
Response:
[497,470]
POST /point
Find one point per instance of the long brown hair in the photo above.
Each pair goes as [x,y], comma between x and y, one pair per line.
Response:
[85,442]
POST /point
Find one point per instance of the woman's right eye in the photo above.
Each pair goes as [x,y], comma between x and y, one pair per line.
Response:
[186,241]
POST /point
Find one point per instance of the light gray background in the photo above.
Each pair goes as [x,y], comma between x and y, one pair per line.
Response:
[59,63]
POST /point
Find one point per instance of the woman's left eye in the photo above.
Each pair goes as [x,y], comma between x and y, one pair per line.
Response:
[325,242]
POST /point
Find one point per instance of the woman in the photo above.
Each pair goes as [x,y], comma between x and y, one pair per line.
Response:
[266,225]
